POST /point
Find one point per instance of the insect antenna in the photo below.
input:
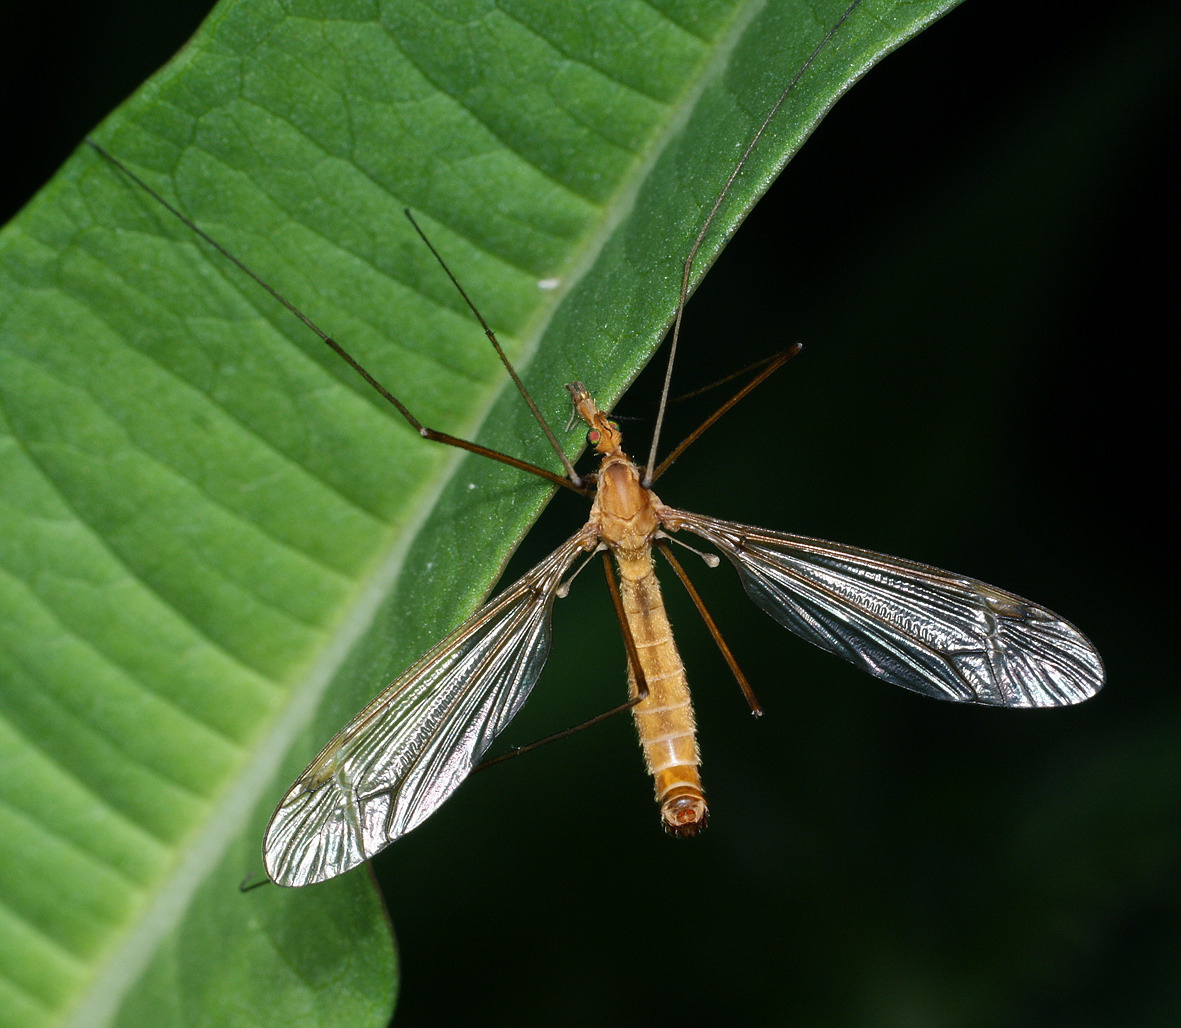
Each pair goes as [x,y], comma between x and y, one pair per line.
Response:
[752,700]
[633,659]
[649,475]
[570,481]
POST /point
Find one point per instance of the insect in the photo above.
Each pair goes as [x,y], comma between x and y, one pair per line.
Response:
[936,633]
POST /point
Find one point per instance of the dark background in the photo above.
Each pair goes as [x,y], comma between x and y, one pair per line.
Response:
[983,276]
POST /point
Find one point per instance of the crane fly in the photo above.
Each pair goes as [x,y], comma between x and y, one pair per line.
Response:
[939,634]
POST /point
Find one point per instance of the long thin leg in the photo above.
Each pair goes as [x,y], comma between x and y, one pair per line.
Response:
[573,482]
[773,366]
[649,478]
[633,657]
[755,707]
[570,472]
[753,366]
[559,735]
[629,640]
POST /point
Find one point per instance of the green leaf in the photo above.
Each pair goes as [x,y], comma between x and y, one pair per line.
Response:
[216,541]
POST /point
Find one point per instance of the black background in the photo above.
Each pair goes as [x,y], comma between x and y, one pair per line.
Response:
[982,274]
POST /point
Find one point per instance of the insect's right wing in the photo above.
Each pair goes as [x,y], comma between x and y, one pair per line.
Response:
[393,764]
[943,635]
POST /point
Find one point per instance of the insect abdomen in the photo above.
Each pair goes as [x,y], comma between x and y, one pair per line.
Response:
[664,720]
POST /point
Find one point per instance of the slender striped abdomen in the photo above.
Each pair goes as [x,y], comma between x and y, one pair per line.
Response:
[664,720]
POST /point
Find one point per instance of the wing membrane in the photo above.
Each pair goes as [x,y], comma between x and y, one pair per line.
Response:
[942,635]
[407,751]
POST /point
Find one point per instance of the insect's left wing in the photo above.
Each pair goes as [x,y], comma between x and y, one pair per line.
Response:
[407,751]
[943,635]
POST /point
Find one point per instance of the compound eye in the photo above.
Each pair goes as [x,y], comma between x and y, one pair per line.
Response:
[614,425]
[593,437]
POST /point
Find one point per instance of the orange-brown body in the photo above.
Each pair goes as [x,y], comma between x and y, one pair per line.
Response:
[626,518]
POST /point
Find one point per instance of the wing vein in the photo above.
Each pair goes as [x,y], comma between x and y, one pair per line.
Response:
[411,747]
[930,631]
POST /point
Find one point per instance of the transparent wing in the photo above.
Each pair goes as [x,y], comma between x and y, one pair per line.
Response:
[942,635]
[407,751]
